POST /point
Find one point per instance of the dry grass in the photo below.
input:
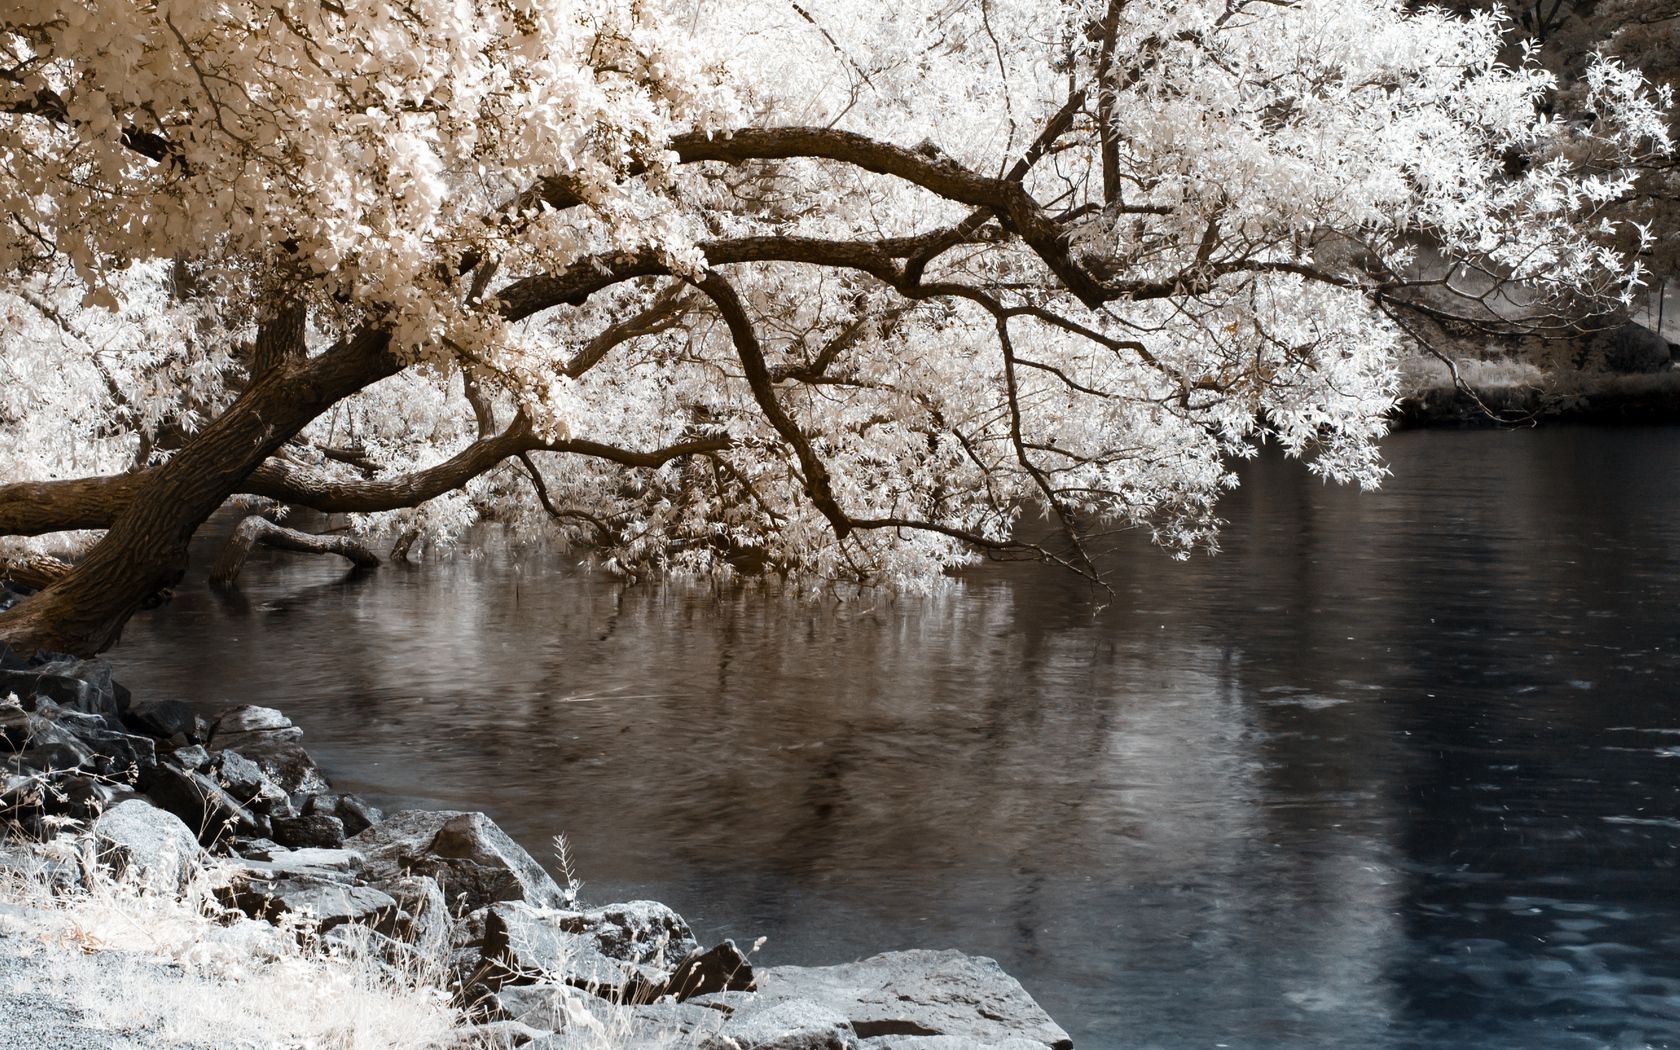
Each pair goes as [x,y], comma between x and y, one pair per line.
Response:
[179,969]
[159,966]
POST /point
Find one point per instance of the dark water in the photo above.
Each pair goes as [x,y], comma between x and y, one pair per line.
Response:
[1395,770]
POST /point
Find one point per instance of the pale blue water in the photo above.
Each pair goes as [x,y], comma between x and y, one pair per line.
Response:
[1395,770]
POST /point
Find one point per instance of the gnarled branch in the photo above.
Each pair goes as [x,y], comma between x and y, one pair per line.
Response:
[256,530]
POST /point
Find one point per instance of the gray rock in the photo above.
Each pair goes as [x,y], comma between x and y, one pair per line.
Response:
[285,762]
[202,803]
[623,952]
[423,917]
[922,993]
[328,902]
[784,1024]
[719,969]
[248,783]
[163,718]
[269,740]
[135,837]
[191,758]
[357,814]
[474,861]
[124,754]
[943,1042]
[41,743]
[319,831]
[79,685]
[84,796]
[250,718]
[498,1034]
[555,1008]
[336,864]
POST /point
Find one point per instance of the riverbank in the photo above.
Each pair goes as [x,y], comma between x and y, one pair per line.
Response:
[156,860]
[1597,399]
[1621,375]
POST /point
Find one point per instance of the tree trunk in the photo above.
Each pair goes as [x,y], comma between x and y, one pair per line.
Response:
[257,529]
[145,551]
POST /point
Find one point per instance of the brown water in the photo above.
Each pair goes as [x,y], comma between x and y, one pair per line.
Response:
[1395,770]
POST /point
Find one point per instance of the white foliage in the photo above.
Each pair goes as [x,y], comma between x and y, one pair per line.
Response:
[1277,167]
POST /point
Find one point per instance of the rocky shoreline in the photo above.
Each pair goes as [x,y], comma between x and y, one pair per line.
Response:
[164,790]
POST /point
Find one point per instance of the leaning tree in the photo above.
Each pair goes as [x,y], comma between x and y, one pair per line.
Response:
[842,288]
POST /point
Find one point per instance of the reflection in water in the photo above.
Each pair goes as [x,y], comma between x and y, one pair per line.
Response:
[1396,770]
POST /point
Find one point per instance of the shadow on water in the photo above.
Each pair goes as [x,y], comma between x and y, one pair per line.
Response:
[1397,769]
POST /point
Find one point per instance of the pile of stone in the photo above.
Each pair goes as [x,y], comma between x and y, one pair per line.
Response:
[164,788]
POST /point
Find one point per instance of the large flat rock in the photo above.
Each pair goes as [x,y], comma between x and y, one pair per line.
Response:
[922,993]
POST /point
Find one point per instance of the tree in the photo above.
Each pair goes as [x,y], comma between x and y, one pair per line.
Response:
[841,289]
[1566,37]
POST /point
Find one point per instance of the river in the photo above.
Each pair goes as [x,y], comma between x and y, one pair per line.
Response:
[1395,769]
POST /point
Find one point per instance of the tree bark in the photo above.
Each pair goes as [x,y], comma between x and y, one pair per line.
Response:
[257,529]
[145,551]
[35,570]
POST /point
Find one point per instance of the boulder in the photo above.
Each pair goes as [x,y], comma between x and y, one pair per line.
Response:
[267,738]
[137,838]
[84,796]
[202,803]
[250,718]
[623,952]
[125,755]
[474,861]
[318,830]
[943,1042]
[42,743]
[51,749]
[336,864]
[423,915]
[327,902]
[564,1012]
[719,969]
[288,765]
[357,814]
[497,1034]
[189,758]
[248,783]
[921,993]
[80,685]
[163,719]
[783,1024]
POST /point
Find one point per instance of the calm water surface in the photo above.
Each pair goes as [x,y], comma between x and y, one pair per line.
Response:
[1395,770]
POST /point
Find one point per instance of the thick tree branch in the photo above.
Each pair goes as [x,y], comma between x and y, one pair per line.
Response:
[33,570]
[1004,197]
[747,348]
[256,530]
